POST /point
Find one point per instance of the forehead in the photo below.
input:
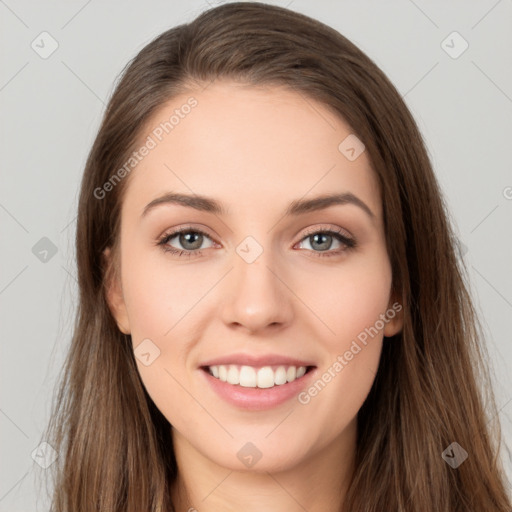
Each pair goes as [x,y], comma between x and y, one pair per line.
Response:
[250,147]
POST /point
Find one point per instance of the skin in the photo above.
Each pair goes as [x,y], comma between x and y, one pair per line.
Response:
[254,149]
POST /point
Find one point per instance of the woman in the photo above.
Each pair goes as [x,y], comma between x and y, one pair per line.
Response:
[255,368]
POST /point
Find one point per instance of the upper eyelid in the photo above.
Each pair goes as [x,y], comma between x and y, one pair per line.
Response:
[330,228]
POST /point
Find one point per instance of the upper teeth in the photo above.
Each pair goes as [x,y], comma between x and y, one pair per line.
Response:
[250,377]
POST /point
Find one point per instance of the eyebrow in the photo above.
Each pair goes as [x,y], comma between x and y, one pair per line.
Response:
[295,208]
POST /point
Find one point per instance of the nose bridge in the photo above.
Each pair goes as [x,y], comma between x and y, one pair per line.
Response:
[257,297]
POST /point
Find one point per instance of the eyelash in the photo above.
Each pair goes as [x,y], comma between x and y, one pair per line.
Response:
[350,243]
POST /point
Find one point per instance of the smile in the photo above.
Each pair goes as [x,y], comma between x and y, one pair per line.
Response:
[257,388]
[254,377]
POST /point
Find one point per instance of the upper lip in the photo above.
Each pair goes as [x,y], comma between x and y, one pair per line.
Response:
[257,361]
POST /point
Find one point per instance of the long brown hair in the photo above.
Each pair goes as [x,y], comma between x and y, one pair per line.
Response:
[114,445]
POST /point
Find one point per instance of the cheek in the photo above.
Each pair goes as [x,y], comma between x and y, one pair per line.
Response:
[165,304]
[353,311]
[157,294]
[157,299]
[352,299]
[149,303]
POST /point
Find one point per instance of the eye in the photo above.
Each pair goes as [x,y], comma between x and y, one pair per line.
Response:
[322,240]
[189,238]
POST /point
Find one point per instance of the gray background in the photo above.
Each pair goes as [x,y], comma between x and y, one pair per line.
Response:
[51,110]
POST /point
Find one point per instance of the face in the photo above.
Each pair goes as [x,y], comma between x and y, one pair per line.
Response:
[260,286]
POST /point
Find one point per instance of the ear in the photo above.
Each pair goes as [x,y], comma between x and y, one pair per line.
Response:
[114,293]
[395,316]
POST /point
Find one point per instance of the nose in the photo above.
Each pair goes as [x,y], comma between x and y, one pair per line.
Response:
[257,297]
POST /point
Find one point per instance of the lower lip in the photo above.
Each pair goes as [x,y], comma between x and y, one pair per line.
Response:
[258,399]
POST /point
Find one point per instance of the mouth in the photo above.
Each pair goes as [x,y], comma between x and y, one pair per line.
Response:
[257,388]
[262,377]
